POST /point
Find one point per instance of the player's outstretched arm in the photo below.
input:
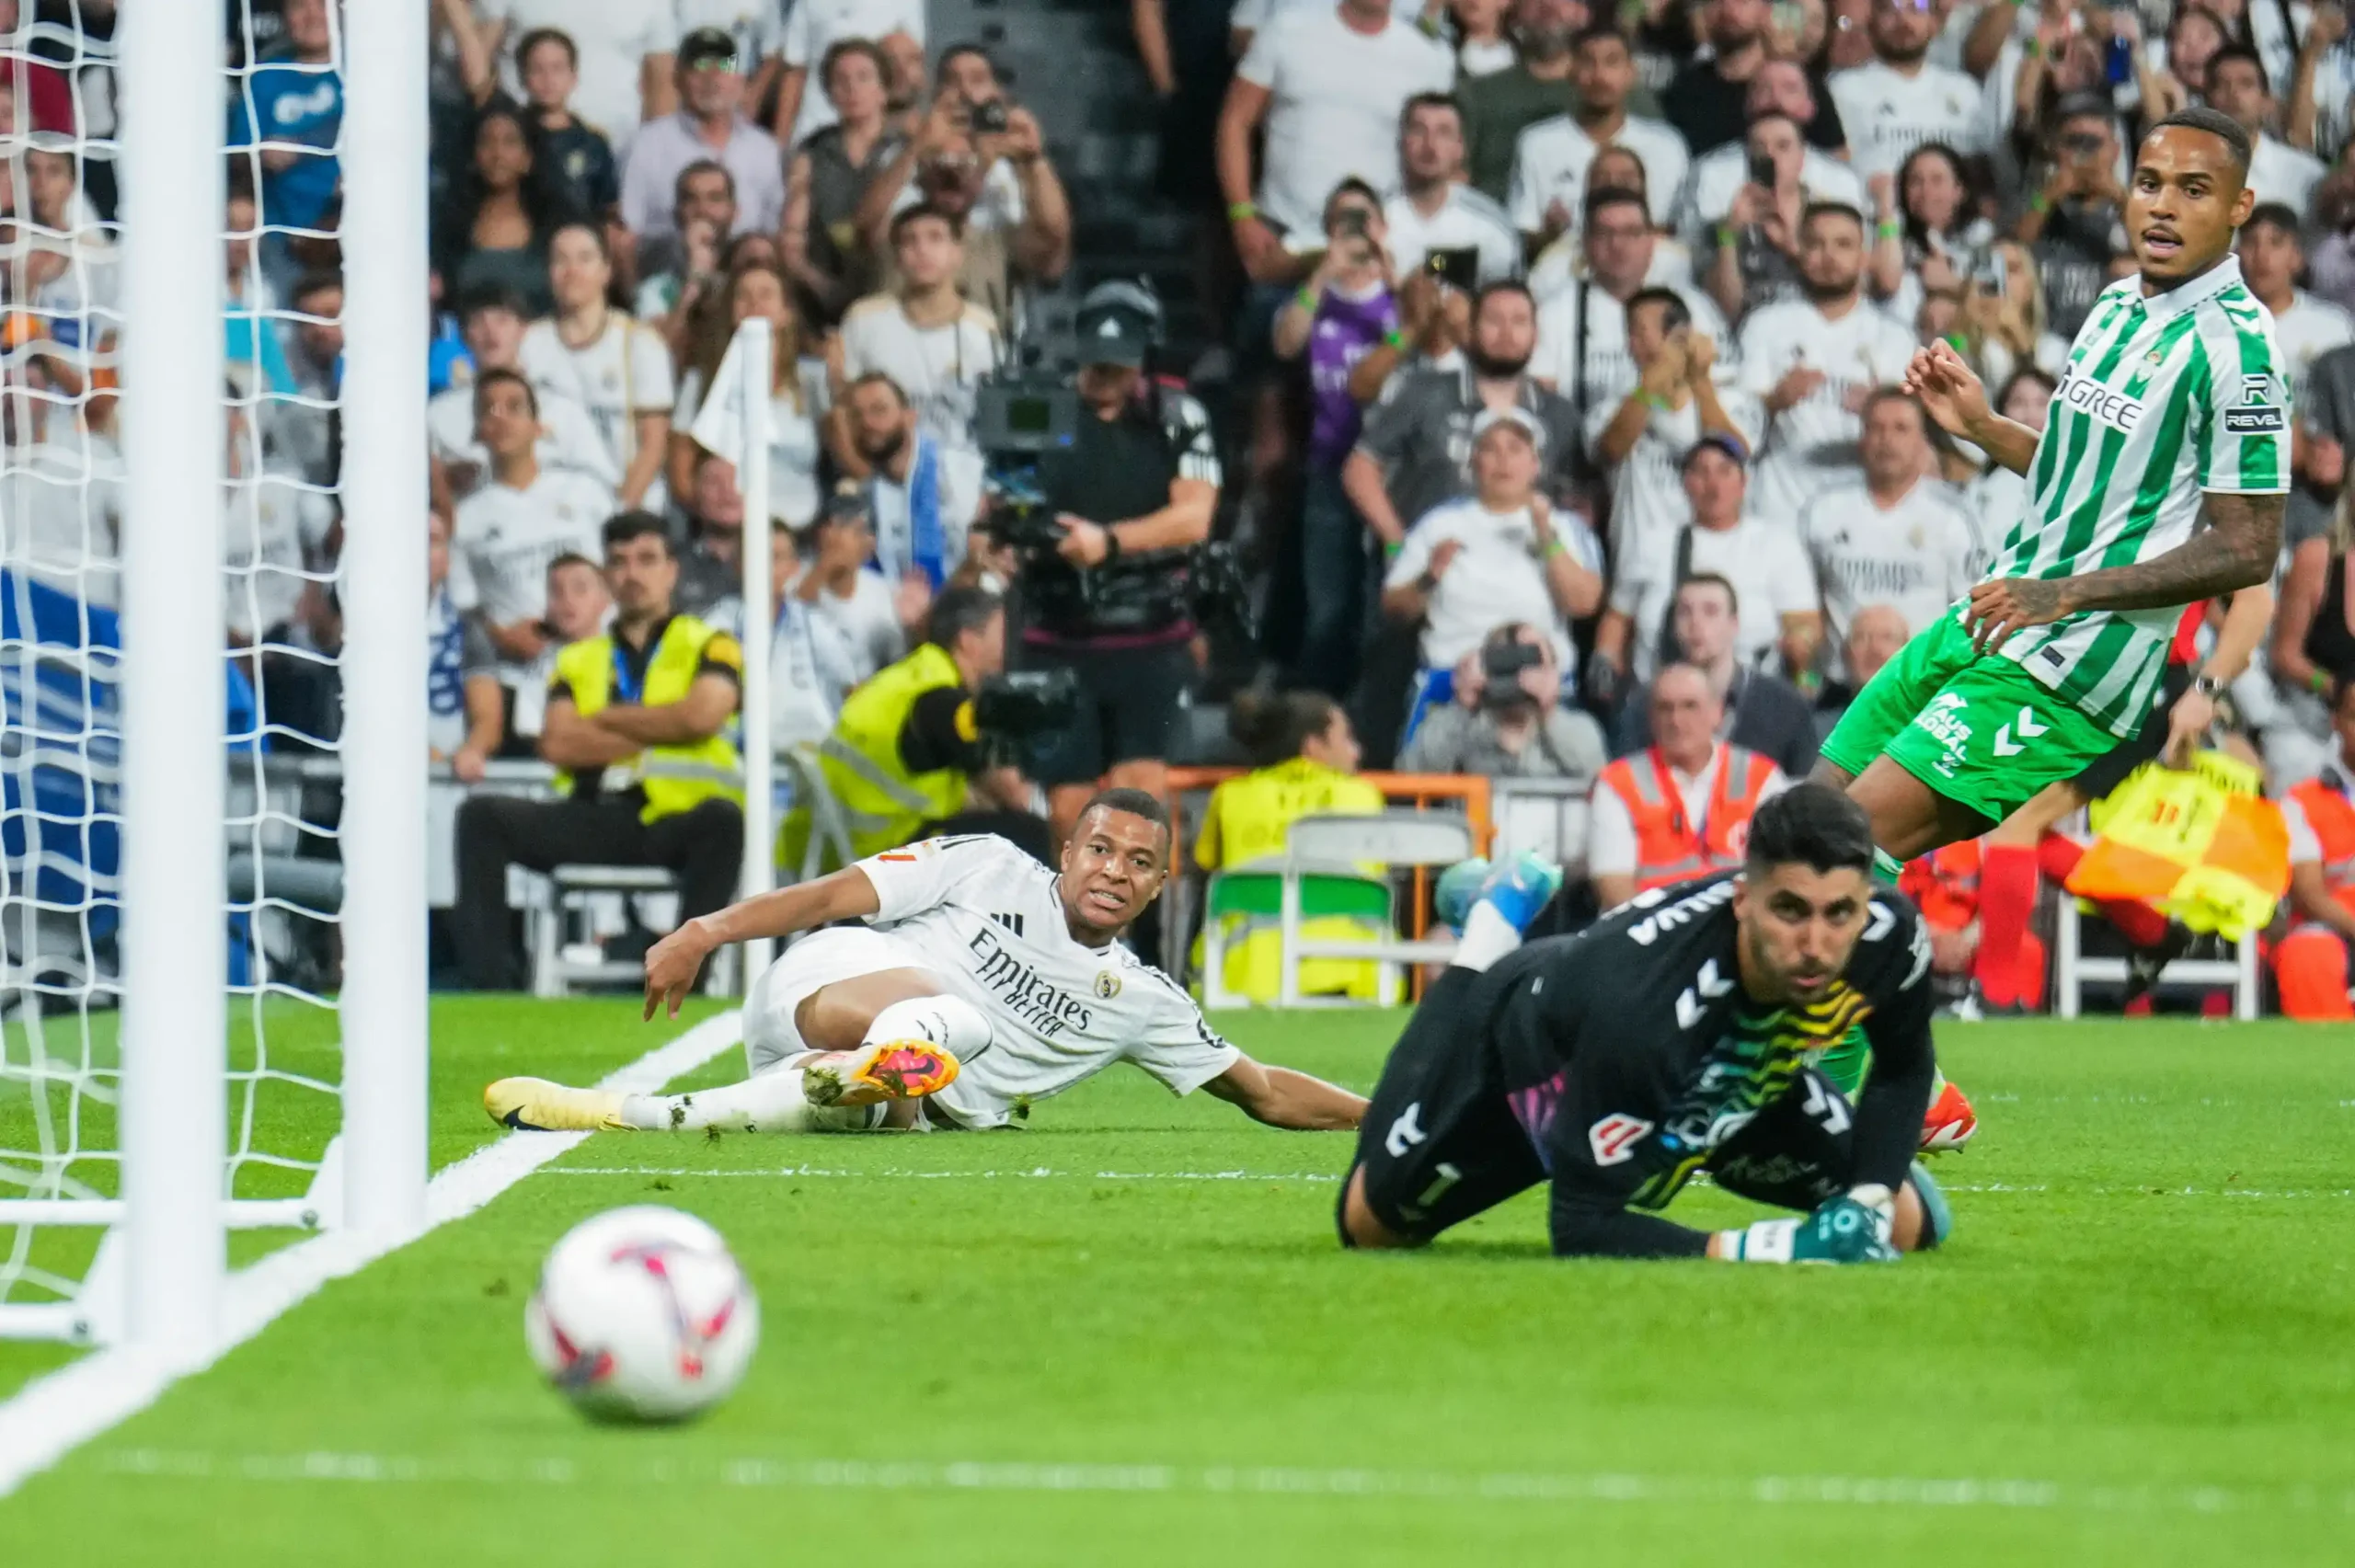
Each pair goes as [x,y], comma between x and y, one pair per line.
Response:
[671,964]
[1281,1097]
[2236,550]
[1953,395]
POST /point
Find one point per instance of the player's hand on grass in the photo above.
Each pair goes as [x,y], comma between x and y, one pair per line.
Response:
[672,966]
[2004,605]
[1842,1229]
[1947,388]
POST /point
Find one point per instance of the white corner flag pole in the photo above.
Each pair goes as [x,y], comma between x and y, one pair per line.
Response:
[756,364]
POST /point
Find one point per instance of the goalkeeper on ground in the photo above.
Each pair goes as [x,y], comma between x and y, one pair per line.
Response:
[1672,1037]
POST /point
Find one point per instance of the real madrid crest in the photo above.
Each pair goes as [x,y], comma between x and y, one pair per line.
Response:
[1108,984]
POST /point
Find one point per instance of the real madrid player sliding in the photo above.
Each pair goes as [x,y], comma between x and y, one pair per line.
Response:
[1564,1061]
[982,981]
[2174,395]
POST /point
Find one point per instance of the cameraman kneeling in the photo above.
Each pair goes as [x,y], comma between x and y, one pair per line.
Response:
[1133,495]
[1507,720]
[911,747]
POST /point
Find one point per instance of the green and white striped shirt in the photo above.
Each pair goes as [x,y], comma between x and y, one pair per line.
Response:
[2163,398]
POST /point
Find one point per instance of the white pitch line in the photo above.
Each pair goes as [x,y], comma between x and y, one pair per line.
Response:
[1285,1481]
[1037,1173]
[52,1415]
[1044,1173]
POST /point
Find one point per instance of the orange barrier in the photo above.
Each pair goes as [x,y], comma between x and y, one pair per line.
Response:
[1418,790]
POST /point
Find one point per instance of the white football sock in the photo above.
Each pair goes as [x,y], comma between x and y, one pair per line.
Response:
[768,1102]
[1488,936]
[944,1020]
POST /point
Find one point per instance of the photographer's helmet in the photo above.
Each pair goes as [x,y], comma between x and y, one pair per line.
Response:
[1119,324]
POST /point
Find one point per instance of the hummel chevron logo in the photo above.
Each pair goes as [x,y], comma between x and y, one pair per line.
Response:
[2029,729]
[1011,922]
[1708,983]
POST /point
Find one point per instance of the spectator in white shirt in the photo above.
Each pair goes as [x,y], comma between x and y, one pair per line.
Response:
[1550,159]
[983,161]
[1502,554]
[617,368]
[579,605]
[1329,83]
[1812,361]
[494,324]
[710,126]
[509,530]
[466,712]
[1765,562]
[1900,101]
[1681,394]
[1929,235]
[925,498]
[624,47]
[709,415]
[812,28]
[1997,498]
[1435,212]
[934,345]
[2277,171]
[1753,241]
[1582,329]
[2306,327]
[1897,536]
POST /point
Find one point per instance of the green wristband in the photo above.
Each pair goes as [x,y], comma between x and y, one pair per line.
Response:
[1238,211]
[1889,230]
[2319,682]
[1306,298]
[1727,235]
[2038,202]
[1395,339]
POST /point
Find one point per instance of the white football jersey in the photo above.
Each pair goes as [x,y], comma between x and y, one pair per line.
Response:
[1888,113]
[1813,442]
[1916,556]
[989,920]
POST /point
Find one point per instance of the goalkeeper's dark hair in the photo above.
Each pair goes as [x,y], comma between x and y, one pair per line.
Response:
[1271,727]
[2223,127]
[1814,825]
[957,612]
[1135,803]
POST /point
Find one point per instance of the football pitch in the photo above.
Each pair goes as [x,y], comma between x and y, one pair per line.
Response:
[1124,1334]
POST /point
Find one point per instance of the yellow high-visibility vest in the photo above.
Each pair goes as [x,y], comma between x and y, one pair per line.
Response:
[676,778]
[882,802]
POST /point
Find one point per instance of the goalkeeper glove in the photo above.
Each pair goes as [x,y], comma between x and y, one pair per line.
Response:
[1851,1228]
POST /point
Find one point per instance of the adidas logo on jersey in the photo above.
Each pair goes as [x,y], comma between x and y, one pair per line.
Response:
[1011,922]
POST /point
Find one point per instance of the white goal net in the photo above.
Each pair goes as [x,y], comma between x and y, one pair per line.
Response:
[100,397]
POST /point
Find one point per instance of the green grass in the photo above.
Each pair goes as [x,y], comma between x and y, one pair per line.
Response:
[2136,1346]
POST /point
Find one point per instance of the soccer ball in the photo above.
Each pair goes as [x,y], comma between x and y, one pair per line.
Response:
[641,1314]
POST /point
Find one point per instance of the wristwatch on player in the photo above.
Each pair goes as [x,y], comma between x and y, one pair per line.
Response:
[2208,686]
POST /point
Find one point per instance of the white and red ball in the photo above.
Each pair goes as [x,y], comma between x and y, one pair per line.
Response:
[641,1314]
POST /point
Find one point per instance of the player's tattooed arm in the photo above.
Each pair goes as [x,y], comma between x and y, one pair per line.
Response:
[2236,550]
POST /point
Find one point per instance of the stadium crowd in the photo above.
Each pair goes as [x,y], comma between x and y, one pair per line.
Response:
[1556,417]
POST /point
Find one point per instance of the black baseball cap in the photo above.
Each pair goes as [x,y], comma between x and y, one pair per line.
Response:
[707,46]
[1112,335]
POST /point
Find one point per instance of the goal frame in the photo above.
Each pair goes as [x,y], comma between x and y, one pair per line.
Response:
[161,1280]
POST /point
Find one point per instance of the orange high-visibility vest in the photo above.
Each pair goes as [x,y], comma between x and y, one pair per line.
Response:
[1669,846]
[2332,817]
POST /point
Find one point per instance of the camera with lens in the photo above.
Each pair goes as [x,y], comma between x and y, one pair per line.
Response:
[990,119]
[1501,664]
[1025,702]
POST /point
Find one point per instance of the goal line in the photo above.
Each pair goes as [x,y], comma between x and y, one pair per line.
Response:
[55,1414]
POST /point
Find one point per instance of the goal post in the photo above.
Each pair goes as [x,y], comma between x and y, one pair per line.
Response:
[254,735]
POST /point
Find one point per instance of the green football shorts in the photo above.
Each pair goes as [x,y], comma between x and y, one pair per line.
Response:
[1976,728]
